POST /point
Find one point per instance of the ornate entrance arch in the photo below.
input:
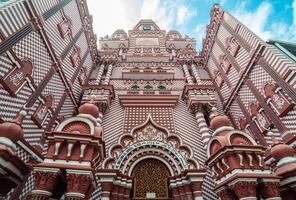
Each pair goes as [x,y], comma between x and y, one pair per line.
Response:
[150,178]
[150,141]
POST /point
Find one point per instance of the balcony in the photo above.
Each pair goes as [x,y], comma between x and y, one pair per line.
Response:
[148,74]
[149,98]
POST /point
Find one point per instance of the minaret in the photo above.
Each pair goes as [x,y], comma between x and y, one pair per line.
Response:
[237,163]
[68,165]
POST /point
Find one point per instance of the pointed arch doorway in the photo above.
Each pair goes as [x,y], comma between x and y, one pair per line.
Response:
[150,180]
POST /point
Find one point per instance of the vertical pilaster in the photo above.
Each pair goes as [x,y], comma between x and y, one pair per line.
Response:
[187,75]
[108,75]
[203,128]
[99,75]
[196,75]
[106,190]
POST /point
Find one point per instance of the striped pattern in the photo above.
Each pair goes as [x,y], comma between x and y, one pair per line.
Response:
[13,18]
[67,108]
[32,47]
[113,123]
[187,128]
[279,62]
[51,28]
[203,128]
[71,10]
[44,5]
[187,75]
[259,78]
[246,96]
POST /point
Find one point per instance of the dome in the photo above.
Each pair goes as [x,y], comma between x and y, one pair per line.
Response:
[13,129]
[90,109]
[219,121]
[280,150]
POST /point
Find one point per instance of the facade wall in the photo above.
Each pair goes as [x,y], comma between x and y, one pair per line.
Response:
[21,38]
[246,78]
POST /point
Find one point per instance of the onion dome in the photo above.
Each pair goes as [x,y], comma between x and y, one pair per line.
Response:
[13,130]
[90,109]
[218,121]
[281,150]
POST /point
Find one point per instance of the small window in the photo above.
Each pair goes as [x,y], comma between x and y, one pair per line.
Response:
[135,87]
[161,87]
[148,87]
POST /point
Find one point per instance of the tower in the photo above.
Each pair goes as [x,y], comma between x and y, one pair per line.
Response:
[144,116]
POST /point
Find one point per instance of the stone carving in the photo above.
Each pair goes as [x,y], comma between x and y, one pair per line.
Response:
[149,132]
[45,180]
[277,99]
[78,183]
[65,27]
[42,111]
[75,56]
[232,46]
[15,79]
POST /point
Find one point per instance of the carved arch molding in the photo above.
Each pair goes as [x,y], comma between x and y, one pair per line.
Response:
[150,140]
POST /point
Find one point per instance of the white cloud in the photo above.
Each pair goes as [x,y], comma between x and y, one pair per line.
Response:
[110,15]
[259,21]
[200,30]
[256,20]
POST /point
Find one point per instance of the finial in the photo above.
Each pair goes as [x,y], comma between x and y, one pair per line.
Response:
[19,118]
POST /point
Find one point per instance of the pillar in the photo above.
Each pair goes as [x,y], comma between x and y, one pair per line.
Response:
[270,190]
[226,194]
[100,119]
[108,74]
[78,186]
[114,194]
[196,190]
[245,190]
[120,193]
[196,75]
[182,192]
[188,191]
[45,183]
[187,75]
[106,190]
[288,194]
[203,128]
[99,75]
[175,193]
[126,193]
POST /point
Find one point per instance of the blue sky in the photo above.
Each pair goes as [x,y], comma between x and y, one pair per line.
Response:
[270,19]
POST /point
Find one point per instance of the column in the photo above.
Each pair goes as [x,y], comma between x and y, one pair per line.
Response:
[108,75]
[270,190]
[175,193]
[126,194]
[99,75]
[187,75]
[106,190]
[195,73]
[45,183]
[196,190]
[100,119]
[114,195]
[203,128]
[226,194]
[182,192]
[120,193]
[245,190]
[78,185]
[188,191]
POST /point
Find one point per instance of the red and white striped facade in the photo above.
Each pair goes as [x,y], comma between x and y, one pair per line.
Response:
[77,121]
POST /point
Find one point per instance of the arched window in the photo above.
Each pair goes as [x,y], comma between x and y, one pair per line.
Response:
[148,87]
[161,87]
[135,87]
